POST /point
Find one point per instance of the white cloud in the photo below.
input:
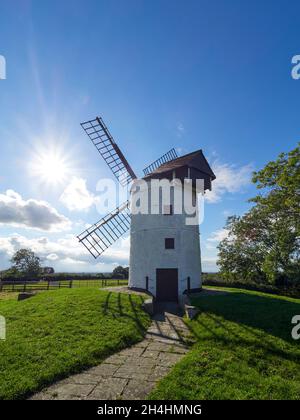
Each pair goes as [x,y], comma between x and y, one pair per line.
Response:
[64,254]
[120,251]
[229,179]
[76,196]
[215,238]
[71,261]
[52,257]
[180,129]
[36,214]
[209,264]
[218,235]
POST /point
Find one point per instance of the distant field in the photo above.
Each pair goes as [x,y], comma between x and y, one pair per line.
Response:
[60,332]
[243,350]
[8,295]
[216,280]
[56,284]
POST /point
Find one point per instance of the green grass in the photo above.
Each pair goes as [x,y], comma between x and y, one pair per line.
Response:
[8,295]
[43,285]
[60,332]
[243,350]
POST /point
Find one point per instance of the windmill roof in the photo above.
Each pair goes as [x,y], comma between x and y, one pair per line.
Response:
[195,160]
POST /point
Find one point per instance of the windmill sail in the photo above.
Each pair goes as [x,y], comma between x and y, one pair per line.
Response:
[109,150]
[108,230]
[167,157]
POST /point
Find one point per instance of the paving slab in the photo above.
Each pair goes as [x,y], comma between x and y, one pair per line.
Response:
[108,389]
[103,370]
[158,373]
[116,359]
[131,373]
[137,389]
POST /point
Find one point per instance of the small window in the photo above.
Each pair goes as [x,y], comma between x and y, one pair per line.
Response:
[169,243]
[168,210]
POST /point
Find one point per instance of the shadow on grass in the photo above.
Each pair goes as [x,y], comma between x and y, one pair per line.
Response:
[106,304]
[115,304]
[268,314]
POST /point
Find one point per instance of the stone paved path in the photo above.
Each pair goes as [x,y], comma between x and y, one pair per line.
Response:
[131,373]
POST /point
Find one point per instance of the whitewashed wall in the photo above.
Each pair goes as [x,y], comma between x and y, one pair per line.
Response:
[147,250]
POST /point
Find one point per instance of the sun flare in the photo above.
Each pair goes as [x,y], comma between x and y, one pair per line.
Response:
[50,166]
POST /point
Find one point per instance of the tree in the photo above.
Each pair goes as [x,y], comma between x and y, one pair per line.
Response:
[120,272]
[264,244]
[280,203]
[240,257]
[280,181]
[26,263]
[48,270]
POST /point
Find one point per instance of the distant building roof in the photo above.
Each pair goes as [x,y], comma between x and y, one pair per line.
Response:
[194,160]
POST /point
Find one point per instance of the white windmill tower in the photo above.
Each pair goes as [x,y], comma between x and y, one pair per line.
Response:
[164,248]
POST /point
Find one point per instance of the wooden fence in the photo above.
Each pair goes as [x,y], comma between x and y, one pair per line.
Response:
[23,286]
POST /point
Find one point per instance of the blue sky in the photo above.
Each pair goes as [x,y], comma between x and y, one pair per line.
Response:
[214,75]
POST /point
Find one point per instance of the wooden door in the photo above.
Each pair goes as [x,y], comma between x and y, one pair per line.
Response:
[167,284]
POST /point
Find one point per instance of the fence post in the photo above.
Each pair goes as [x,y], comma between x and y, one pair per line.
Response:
[13,288]
[48,284]
[59,284]
[24,286]
[147,282]
[71,284]
[188,284]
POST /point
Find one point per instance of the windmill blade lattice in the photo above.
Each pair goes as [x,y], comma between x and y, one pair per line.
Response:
[108,230]
[109,150]
[167,157]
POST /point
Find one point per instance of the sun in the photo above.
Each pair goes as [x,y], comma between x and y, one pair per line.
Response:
[50,167]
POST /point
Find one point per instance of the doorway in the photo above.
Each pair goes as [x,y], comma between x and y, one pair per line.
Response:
[167,284]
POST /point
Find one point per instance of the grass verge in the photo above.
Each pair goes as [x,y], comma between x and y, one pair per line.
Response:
[243,350]
[57,333]
[56,284]
[8,295]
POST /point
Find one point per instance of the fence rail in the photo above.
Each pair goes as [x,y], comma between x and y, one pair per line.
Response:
[23,286]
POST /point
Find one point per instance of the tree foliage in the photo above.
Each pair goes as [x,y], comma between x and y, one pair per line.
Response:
[264,243]
[120,272]
[26,263]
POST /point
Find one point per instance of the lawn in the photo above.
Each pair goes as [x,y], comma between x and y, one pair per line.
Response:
[56,284]
[60,332]
[8,295]
[243,350]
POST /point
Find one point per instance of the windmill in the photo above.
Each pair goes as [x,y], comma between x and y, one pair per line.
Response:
[164,251]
